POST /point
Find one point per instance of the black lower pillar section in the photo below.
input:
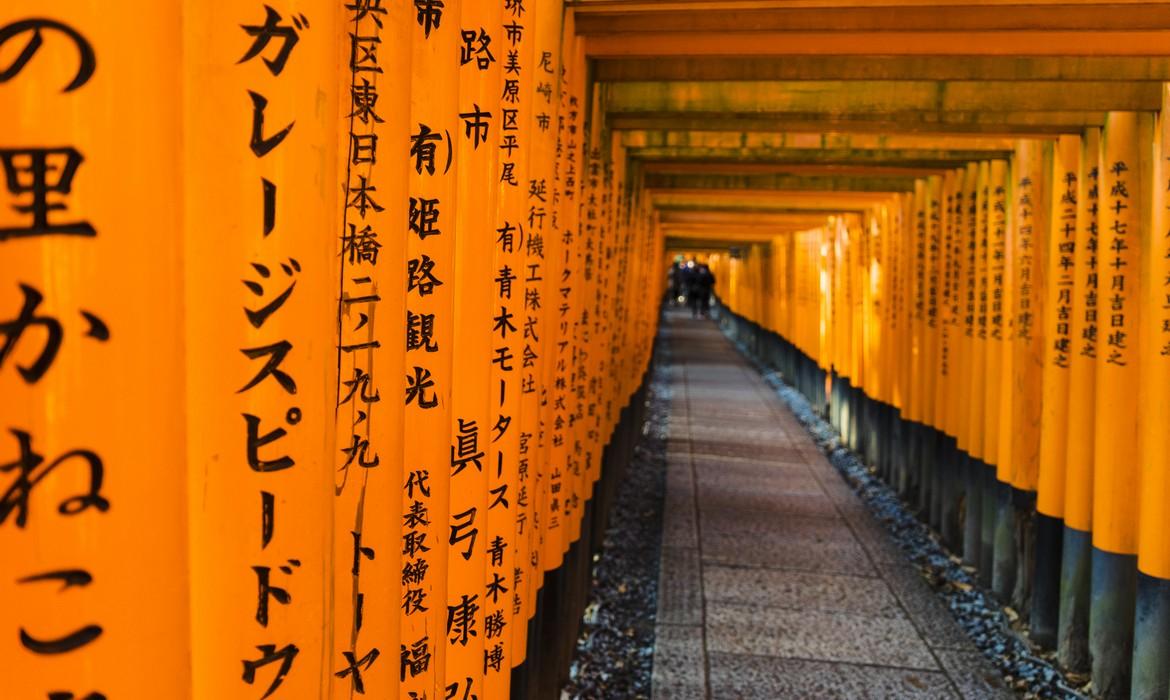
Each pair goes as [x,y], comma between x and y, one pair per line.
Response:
[856,434]
[973,510]
[898,429]
[1045,619]
[526,676]
[987,523]
[912,462]
[954,486]
[1111,611]
[1151,637]
[1003,572]
[1076,567]
[939,476]
[1024,503]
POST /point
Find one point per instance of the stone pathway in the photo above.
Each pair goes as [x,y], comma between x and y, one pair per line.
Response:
[775,580]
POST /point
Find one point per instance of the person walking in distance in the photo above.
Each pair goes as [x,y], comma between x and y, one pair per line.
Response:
[702,281]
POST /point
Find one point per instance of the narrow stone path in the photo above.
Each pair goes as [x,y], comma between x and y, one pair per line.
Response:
[775,580]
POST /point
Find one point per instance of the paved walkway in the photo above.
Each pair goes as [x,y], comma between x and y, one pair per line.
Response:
[776,582]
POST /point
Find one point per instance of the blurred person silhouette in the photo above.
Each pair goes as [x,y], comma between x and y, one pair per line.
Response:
[678,288]
[699,285]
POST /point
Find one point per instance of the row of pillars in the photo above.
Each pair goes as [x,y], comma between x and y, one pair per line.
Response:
[997,345]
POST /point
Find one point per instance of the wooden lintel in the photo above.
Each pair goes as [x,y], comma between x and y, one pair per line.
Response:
[892,98]
[804,162]
[1032,125]
[788,68]
[781,182]
[1151,43]
[763,172]
[975,17]
[782,140]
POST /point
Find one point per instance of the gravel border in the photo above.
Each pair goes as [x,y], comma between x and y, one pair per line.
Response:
[979,614]
[615,652]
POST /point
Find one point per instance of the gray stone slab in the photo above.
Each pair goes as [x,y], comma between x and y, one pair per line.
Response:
[680,587]
[679,663]
[801,505]
[873,535]
[750,677]
[933,620]
[777,527]
[797,590]
[680,524]
[812,634]
[724,466]
[974,675]
[749,450]
[722,478]
[746,434]
[786,553]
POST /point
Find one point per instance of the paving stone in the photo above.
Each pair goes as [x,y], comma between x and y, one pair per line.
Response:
[777,526]
[794,555]
[680,523]
[878,683]
[741,676]
[974,675]
[927,612]
[801,505]
[726,465]
[679,663]
[872,535]
[752,450]
[797,590]
[812,634]
[680,587]
[735,676]
[746,434]
[734,481]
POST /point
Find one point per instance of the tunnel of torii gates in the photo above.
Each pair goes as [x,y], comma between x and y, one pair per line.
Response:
[325,323]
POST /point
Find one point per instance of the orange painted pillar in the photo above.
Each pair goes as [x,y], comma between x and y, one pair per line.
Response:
[545,27]
[262,251]
[1124,232]
[1058,349]
[94,513]
[431,232]
[510,487]
[475,347]
[1076,554]
[370,355]
[979,469]
[1151,660]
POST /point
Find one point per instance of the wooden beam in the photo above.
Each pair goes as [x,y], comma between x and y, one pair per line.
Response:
[840,141]
[1015,124]
[583,7]
[880,97]
[732,236]
[750,67]
[769,183]
[742,221]
[702,245]
[750,171]
[882,43]
[1065,16]
[792,197]
[925,160]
